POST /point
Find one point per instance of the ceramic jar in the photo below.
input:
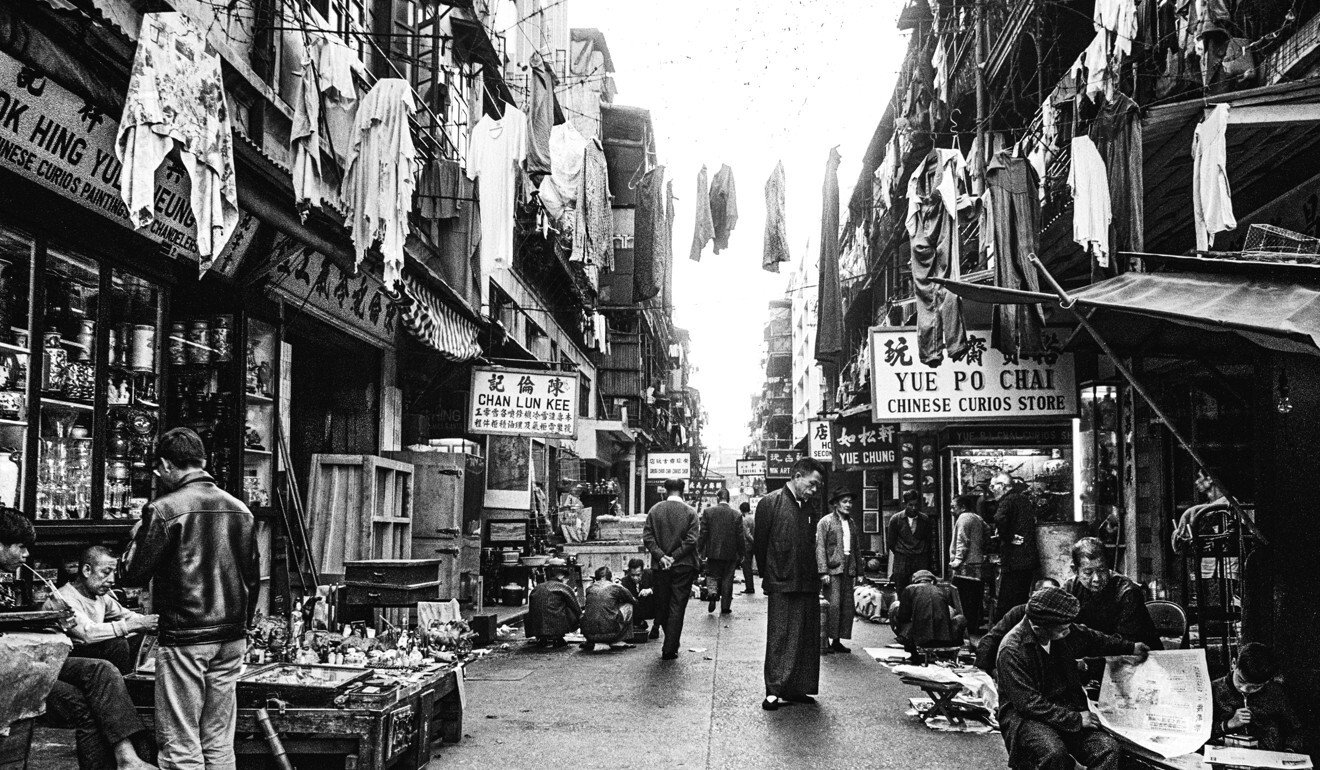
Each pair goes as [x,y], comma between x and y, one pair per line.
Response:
[54,362]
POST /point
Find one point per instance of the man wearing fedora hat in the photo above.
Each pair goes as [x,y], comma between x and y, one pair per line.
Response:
[839,561]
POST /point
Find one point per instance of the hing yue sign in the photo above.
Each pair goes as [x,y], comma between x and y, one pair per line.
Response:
[517,402]
[985,384]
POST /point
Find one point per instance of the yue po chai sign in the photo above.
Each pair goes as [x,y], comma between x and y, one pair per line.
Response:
[517,402]
[984,384]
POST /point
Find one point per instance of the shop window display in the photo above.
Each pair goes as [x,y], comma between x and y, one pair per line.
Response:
[15,357]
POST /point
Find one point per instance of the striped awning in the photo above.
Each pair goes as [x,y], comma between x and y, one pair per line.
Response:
[437,325]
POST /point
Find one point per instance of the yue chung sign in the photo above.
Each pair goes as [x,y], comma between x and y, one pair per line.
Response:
[669,465]
[517,402]
[984,385]
[860,444]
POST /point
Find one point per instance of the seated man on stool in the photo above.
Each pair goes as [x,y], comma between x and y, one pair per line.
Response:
[641,583]
[927,613]
[607,618]
[1043,712]
[101,624]
[89,695]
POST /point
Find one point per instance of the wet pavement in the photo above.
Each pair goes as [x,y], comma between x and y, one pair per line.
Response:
[529,707]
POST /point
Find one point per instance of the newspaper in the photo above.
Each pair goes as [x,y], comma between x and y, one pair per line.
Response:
[1162,705]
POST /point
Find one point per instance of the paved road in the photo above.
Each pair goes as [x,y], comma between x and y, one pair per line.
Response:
[530,708]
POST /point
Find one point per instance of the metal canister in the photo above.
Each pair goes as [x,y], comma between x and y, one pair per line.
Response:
[142,356]
[86,339]
[121,340]
[222,339]
[179,344]
[54,361]
[199,339]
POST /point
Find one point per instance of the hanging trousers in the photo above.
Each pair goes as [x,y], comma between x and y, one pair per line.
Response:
[939,311]
[1015,209]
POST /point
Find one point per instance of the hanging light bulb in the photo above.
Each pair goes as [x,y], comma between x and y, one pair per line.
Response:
[1283,404]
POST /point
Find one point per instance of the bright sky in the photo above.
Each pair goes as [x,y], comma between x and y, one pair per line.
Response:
[748,83]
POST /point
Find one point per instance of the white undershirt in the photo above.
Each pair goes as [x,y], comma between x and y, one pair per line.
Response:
[847,536]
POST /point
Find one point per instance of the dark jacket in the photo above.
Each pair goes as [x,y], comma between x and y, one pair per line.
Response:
[987,650]
[1016,516]
[1046,687]
[602,618]
[645,609]
[915,540]
[671,530]
[721,536]
[198,547]
[829,547]
[786,544]
[552,610]
[1274,723]
[926,614]
[1118,610]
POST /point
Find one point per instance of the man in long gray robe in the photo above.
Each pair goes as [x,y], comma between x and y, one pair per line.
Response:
[786,551]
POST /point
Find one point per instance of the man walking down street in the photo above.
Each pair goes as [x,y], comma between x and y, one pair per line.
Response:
[1015,522]
[911,539]
[749,546]
[839,561]
[670,535]
[786,552]
[197,545]
[721,545]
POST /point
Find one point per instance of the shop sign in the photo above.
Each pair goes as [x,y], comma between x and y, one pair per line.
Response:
[985,384]
[750,467]
[310,281]
[669,465]
[520,402]
[820,444]
[61,142]
[779,463]
[860,444]
[705,487]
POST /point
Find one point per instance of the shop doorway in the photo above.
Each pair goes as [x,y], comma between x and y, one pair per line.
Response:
[334,394]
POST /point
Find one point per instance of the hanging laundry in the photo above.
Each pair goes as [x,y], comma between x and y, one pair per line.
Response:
[723,207]
[775,248]
[1119,18]
[1116,131]
[176,98]
[933,233]
[1091,209]
[667,253]
[559,189]
[438,193]
[327,76]
[597,218]
[338,71]
[1212,199]
[542,115]
[495,149]
[829,307]
[600,333]
[1012,198]
[648,234]
[1096,73]
[703,230]
[377,192]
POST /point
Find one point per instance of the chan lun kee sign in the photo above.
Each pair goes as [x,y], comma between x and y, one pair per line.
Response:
[669,465]
[518,402]
[984,384]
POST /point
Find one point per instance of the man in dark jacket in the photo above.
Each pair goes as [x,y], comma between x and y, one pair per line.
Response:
[641,583]
[786,552]
[670,535]
[721,545]
[607,616]
[927,613]
[1043,712]
[987,650]
[197,545]
[749,546]
[1110,603]
[1015,523]
[910,536]
[552,610]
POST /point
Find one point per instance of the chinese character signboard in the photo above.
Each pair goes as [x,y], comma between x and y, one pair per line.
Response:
[820,444]
[753,467]
[705,487]
[669,465]
[860,444]
[983,384]
[516,402]
[779,463]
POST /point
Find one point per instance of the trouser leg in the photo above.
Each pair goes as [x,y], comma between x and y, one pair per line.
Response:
[664,586]
[833,595]
[680,590]
[220,709]
[1096,749]
[748,584]
[67,705]
[1036,746]
[724,581]
[108,716]
[180,696]
[1014,589]
[113,651]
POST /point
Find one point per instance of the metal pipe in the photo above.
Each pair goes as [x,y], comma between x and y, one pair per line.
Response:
[1069,303]
[277,751]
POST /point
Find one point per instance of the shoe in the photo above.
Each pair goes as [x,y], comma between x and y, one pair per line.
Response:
[587,646]
[805,700]
[726,611]
[711,606]
[827,650]
[556,644]
[622,646]
[749,591]
[771,705]
[837,646]
[655,633]
[669,656]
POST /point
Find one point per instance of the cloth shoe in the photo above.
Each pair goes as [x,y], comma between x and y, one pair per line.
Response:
[838,646]
[655,632]
[771,705]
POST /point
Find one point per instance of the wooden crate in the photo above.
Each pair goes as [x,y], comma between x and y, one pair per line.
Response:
[360,507]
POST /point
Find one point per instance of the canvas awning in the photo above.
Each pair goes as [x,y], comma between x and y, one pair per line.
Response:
[1192,313]
[437,325]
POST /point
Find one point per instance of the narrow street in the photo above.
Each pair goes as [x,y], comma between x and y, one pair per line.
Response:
[546,708]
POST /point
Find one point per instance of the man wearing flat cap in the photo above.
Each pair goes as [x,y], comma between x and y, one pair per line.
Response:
[839,561]
[1043,711]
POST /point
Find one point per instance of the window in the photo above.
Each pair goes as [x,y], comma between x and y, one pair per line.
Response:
[584,395]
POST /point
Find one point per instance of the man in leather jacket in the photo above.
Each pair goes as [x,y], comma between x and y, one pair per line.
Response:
[197,544]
